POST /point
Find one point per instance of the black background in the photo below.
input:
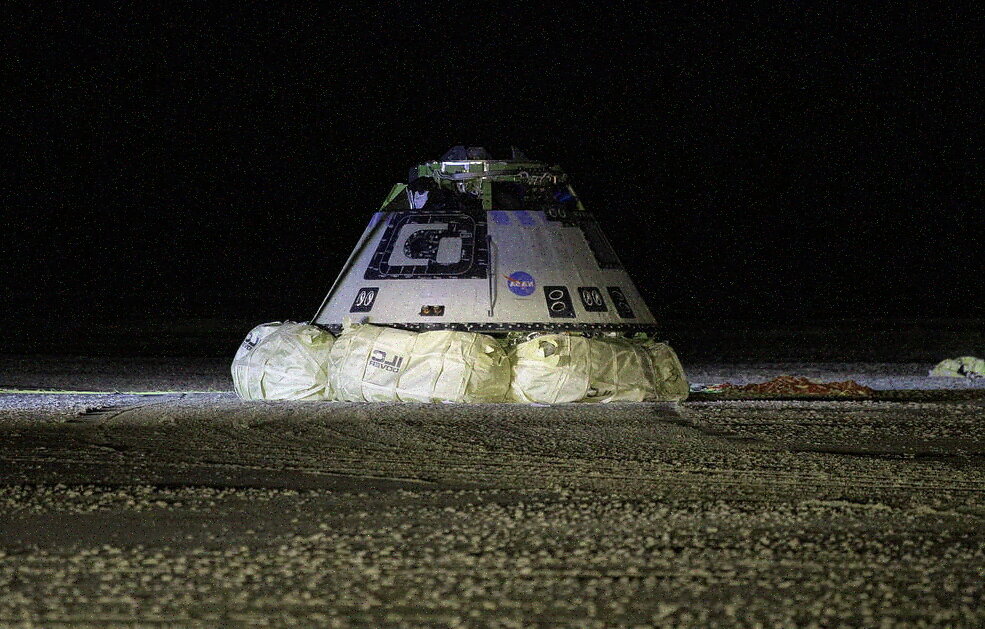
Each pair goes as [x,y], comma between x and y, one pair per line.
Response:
[217,162]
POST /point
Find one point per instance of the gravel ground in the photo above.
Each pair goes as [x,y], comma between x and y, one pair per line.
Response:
[202,510]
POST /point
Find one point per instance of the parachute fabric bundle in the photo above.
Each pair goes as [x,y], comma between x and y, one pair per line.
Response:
[969,367]
[781,386]
[559,368]
[283,361]
[377,364]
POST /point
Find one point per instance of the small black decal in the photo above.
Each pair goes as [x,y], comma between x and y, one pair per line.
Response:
[621,303]
[559,302]
[591,299]
[364,300]
[381,360]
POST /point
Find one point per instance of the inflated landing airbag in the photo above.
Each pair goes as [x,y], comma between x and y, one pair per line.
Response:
[369,363]
[283,361]
[557,368]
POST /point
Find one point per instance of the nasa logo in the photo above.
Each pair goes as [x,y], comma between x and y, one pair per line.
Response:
[520,283]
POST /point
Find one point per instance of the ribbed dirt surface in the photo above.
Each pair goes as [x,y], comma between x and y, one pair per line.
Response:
[203,510]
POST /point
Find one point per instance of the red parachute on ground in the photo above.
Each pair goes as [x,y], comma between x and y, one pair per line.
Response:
[796,386]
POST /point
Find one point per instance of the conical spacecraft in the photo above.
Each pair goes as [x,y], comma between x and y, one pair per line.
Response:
[479,280]
[477,244]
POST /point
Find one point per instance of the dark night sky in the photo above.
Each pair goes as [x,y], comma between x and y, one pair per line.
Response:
[197,162]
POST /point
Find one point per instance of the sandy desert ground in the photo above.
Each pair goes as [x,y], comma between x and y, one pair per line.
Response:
[198,509]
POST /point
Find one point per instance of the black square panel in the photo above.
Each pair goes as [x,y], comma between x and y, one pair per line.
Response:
[364,300]
[591,299]
[559,302]
[410,248]
[620,303]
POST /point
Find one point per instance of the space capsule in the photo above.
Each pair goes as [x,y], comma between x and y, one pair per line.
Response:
[478,280]
[478,244]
